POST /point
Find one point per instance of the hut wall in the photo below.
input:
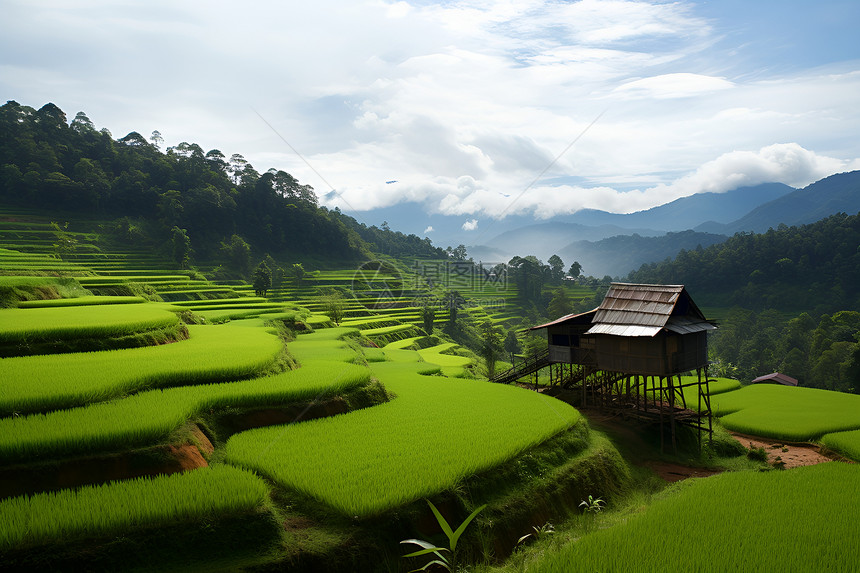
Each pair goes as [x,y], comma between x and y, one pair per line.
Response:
[660,355]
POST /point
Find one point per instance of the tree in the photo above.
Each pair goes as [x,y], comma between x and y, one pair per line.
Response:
[560,304]
[529,274]
[262,279]
[575,269]
[458,254]
[277,277]
[66,244]
[156,139]
[238,253]
[134,139]
[297,271]
[82,124]
[491,346]
[334,304]
[453,301]
[534,345]
[556,266]
[428,315]
[512,344]
[180,247]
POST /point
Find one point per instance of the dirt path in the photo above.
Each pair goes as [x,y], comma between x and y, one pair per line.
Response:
[637,451]
[793,455]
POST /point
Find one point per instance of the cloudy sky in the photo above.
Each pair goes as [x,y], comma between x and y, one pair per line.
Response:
[470,108]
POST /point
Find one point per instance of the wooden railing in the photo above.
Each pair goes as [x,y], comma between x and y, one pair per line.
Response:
[524,368]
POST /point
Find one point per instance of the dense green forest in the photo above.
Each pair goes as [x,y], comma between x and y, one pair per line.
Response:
[814,268]
[822,353]
[181,195]
[794,293]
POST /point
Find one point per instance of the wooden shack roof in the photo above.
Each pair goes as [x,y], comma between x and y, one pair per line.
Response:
[645,310]
[575,318]
[641,310]
[776,378]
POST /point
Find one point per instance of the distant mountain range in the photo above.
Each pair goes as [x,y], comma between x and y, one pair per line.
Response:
[615,244]
[617,256]
[688,212]
[835,194]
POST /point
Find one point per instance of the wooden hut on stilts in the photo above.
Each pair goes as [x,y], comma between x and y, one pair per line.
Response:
[628,356]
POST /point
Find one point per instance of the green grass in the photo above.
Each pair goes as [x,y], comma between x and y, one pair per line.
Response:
[22,325]
[81,301]
[149,417]
[846,443]
[435,432]
[787,412]
[715,386]
[96,511]
[798,520]
[211,354]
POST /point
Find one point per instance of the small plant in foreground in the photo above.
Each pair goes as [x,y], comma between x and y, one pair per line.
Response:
[759,454]
[591,506]
[427,548]
[538,532]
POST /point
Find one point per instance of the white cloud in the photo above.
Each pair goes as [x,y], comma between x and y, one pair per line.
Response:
[787,163]
[670,86]
[463,103]
[429,229]
[470,225]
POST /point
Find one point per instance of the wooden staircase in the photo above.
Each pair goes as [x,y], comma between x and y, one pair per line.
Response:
[524,368]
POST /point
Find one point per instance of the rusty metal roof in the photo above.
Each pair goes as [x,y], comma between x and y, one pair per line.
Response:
[624,330]
[582,317]
[640,310]
[777,377]
[645,310]
[687,325]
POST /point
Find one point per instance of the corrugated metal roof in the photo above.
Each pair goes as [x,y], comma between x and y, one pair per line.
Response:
[624,330]
[687,325]
[638,305]
[640,310]
[776,377]
[566,318]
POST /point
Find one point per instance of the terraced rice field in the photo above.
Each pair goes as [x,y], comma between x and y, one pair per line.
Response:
[797,520]
[435,432]
[109,509]
[19,325]
[211,354]
[787,413]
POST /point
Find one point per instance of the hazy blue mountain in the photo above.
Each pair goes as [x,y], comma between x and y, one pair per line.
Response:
[688,212]
[681,214]
[546,239]
[835,194]
[617,256]
[447,230]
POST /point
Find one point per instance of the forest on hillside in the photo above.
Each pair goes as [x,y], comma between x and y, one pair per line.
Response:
[180,195]
[792,296]
[814,268]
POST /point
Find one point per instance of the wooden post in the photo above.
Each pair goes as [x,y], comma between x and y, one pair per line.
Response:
[699,412]
[672,411]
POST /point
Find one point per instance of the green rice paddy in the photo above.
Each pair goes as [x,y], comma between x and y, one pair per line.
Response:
[435,432]
[212,353]
[91,511]
[787,412]
[18,325]
[798,520]
[148,418]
